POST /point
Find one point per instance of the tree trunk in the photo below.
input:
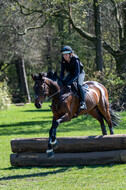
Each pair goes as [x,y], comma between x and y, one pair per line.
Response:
[70,12]
[1,64]
[121,57]
[61,36]
[23,85]
[98,44]
[121,65]
[48,55]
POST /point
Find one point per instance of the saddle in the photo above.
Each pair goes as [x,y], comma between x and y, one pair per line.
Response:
[75,91]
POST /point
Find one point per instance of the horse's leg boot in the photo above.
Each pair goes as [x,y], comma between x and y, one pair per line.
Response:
[54,144]
[50,153]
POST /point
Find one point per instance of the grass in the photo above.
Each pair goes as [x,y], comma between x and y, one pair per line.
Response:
[27,121]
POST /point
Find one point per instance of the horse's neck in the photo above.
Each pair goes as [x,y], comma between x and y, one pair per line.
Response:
[53,89]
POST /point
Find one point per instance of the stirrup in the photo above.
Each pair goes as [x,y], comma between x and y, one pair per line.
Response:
[83,106]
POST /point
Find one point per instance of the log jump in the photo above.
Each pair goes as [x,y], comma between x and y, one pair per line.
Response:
[90,150]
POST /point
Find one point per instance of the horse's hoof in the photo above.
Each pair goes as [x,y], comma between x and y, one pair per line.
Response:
[54,144]
[50,154]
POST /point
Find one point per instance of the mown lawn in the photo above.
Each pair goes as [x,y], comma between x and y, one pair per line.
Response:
[27,121]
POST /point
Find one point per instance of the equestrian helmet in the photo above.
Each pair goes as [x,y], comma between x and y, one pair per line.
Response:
[66,50]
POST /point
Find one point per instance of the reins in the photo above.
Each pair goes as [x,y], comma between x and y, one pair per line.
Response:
[53,94]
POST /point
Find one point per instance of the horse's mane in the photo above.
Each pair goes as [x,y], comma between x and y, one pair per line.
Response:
[52,83]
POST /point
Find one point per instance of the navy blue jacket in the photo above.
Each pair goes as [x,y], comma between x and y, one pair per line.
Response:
[74,67]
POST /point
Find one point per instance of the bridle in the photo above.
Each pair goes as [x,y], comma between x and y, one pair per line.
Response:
[44,93]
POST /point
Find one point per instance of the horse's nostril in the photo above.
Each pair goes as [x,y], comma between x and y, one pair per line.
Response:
[38,106]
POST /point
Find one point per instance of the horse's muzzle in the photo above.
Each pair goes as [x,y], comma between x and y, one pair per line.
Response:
[38,105]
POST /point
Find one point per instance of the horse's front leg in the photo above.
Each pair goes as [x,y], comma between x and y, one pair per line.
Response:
[52,134]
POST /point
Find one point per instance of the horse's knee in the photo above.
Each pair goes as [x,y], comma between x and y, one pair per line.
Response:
[53,128]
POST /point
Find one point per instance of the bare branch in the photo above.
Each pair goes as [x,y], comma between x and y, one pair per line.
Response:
[27,29]
[82,32]
[86,34]
[62,12]
[107,47]
[29,11]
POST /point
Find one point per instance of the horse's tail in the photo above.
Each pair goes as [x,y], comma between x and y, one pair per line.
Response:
[114,117]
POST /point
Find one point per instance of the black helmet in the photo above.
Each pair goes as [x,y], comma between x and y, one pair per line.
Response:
[66,50]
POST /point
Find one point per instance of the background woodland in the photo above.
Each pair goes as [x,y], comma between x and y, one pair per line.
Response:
[32,33]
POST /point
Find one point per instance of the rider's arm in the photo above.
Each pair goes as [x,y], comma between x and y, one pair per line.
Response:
[77,72]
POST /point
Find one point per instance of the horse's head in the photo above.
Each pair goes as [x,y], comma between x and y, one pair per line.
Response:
[40,89]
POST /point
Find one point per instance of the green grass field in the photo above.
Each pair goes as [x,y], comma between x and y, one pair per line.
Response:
[27,121]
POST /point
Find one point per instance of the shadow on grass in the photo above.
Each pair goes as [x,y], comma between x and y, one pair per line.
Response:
[43,174]
[28,127]
[80,124]
[38,110]
[26,123]
[35,127]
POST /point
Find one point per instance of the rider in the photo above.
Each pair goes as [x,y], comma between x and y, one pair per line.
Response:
[71,63]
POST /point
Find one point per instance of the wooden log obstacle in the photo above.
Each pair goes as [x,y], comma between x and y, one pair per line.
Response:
[91,150]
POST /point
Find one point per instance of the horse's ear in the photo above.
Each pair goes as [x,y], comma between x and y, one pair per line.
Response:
[41,77]
[33,76]
[55,73]
[42,74]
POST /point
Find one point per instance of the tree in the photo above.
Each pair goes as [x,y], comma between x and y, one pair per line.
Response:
[53,18]
[10,45]
[119,54]
[98,44]
[52,9]
[22,80]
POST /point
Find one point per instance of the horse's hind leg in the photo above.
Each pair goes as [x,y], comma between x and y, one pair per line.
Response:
[104,109]
[97,115]
[109,121]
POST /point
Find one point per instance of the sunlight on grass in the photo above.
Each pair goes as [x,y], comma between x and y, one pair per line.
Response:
[27,121]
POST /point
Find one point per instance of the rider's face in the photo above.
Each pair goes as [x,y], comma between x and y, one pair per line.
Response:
[66,57]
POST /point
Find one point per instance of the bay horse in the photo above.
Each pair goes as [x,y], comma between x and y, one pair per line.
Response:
[65,105]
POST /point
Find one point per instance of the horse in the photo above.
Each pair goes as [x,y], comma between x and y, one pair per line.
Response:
[65,105]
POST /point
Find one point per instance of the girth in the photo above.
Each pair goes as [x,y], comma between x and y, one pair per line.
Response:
[61,100]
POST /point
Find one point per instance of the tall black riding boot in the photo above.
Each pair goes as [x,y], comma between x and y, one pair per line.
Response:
[82,93]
